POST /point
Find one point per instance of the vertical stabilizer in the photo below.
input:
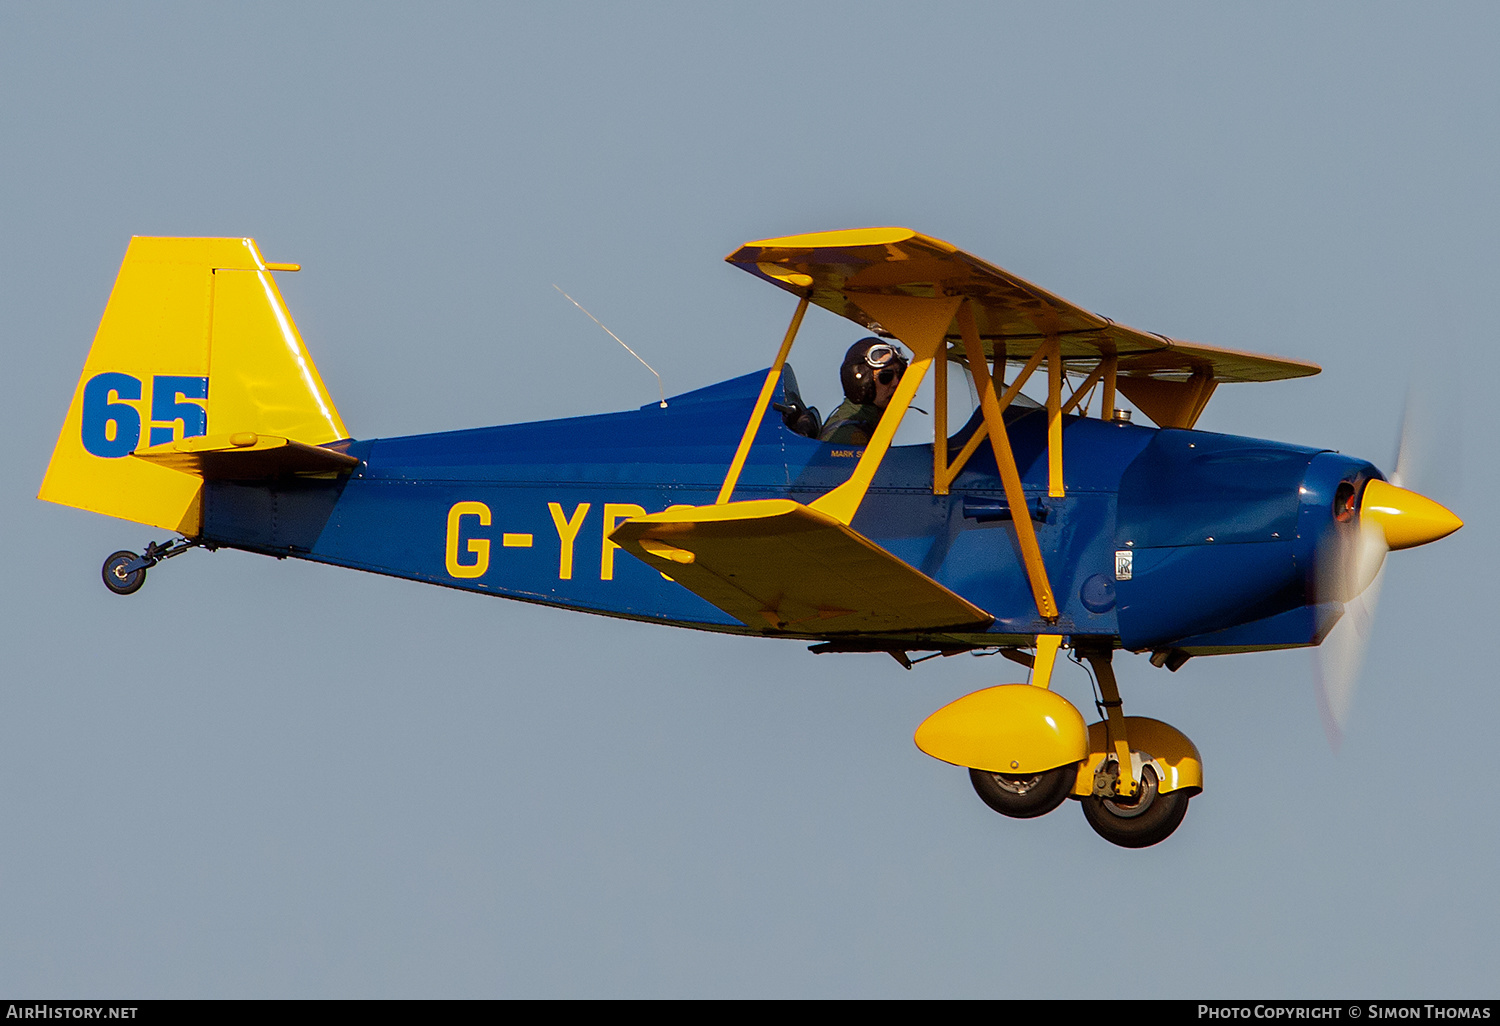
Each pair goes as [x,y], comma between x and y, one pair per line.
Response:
[195,340]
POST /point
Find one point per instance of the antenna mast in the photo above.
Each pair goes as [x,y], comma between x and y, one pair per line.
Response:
[620,340]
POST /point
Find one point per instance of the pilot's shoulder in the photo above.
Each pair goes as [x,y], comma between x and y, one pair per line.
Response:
[850,424]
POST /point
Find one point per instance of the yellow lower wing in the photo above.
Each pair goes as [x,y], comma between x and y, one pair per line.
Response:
[779,565]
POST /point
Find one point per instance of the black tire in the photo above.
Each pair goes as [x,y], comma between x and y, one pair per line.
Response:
[1150,819]
[116,580]
[1025,795]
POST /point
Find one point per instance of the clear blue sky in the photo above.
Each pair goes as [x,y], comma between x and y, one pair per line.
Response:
[262,778]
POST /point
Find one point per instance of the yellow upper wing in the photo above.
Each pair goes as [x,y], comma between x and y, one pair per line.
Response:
[834,269]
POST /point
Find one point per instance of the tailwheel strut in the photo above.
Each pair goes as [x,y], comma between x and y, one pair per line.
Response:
[124,572]
[1128,806]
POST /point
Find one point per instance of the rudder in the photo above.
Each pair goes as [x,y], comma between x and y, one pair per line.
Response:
[195,340]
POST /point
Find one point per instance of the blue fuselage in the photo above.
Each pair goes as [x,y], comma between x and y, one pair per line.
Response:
[1221,532]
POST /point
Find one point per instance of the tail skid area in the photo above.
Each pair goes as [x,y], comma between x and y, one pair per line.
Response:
[196,364]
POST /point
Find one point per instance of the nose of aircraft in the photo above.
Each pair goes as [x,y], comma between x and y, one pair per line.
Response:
[1406,518]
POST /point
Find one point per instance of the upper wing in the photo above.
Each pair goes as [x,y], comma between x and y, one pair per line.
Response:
[835,268]
[777,564]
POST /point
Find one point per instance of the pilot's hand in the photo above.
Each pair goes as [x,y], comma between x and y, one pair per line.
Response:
[802,419]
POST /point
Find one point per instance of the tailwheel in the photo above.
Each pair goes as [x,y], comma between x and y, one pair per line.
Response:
[117,579]
[1025,795]
[125,572]
[1146,819]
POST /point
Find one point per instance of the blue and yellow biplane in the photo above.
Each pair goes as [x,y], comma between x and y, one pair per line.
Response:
[1031,529]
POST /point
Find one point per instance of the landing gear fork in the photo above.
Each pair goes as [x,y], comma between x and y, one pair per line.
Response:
[1127,774]
[124,572]
[1127,806]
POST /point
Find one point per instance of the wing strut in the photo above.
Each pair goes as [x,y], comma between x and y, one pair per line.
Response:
[942,482]
[1053,347]
[921,323]
[1106,370]
[761,402]
[1010,477]
[775,564]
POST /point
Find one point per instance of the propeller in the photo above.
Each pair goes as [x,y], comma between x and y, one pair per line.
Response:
[1351,566]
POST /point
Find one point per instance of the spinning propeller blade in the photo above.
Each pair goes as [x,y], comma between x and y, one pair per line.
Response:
[1342,654]
[1350,570]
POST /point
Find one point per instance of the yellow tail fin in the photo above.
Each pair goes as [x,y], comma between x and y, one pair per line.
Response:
[195,339]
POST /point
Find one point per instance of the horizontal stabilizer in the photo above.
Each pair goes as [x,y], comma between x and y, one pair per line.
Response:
[775,564]
[245,456]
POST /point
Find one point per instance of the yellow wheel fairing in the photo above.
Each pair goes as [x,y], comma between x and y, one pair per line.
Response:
[1012,728]
[1175,758]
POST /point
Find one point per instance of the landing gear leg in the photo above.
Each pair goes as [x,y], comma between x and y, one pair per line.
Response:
[1127,807]
[124,572]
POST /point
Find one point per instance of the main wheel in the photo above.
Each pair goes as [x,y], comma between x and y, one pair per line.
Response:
[115,577]
[1150,818]
[1024,795]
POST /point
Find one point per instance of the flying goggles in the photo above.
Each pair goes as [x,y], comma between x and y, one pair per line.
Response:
[887,360]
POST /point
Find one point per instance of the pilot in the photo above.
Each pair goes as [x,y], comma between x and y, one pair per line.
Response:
[872,369]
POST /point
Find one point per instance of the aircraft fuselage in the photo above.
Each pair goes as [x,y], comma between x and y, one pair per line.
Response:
[1164,539]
